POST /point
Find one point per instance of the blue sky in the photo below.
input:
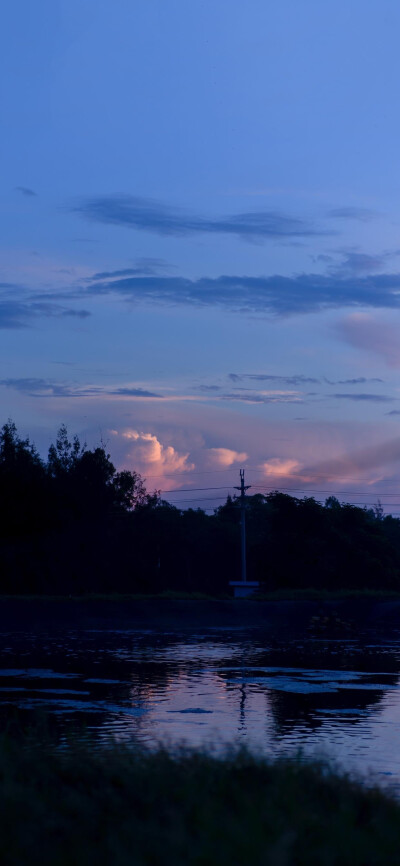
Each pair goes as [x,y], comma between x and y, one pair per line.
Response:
[200,237]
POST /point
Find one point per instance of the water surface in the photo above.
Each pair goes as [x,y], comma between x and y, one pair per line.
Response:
[218,687]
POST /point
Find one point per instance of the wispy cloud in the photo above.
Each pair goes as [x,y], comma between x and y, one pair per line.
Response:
[124,272]
[356,263]
[349,262]
[362,214]
[74,314]
[133,392]
[20,314]
[152,216]
[26,191]
[143,267]
[37,387]
[208,389]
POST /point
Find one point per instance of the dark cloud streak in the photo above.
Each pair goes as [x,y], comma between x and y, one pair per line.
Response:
[367,398]
[361,380]
[268,377]
[22,313]
[257,397]
[46,388]
[151,216]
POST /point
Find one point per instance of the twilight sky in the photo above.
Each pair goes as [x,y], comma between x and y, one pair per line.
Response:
[200,239]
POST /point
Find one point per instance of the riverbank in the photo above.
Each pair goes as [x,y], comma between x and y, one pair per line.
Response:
[277,615]
[127,807]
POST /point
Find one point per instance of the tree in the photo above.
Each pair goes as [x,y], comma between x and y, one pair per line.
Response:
[64,455]
[130,492]
[22,482]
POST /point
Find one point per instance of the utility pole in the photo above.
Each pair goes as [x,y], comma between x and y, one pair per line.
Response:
[243,487]
[243,587]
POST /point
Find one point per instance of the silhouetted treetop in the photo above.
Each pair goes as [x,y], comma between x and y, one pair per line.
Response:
[64,455]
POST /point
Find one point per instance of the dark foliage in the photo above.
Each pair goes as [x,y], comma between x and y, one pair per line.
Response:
[73,524]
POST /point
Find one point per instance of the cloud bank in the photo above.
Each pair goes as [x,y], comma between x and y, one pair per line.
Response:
[276,295]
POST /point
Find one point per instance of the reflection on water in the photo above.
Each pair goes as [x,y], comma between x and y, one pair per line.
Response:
[338,698]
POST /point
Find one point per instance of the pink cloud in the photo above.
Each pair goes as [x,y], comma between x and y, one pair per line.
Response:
[225,456]
[370,464]
[278,468]
[150,456]
[363,331]
[363,468]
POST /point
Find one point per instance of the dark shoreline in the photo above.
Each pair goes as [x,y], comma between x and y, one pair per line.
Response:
[278,617]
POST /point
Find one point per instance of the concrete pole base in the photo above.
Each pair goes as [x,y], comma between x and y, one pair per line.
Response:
[244,588]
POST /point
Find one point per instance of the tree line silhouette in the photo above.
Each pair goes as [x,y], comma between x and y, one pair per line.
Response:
[73,525]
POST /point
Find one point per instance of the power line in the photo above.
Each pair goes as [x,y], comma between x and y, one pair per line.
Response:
[307,475]
[321,490]
[304,475]
[203,499]
[272,487]
[196,489]
[202,472]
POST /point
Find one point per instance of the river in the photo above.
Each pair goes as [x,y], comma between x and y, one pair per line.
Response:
[337,697]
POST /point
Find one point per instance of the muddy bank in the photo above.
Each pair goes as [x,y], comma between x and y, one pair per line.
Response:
[277,617]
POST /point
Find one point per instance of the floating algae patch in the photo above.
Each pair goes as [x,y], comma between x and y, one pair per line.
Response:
[193,710]
[59,692]
[341,712]
[65,706]
[33,673]
[307,681]
[368,686]
[287,684]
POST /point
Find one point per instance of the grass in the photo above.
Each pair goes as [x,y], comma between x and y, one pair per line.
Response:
[170,594]
[325,594]
[120,807]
